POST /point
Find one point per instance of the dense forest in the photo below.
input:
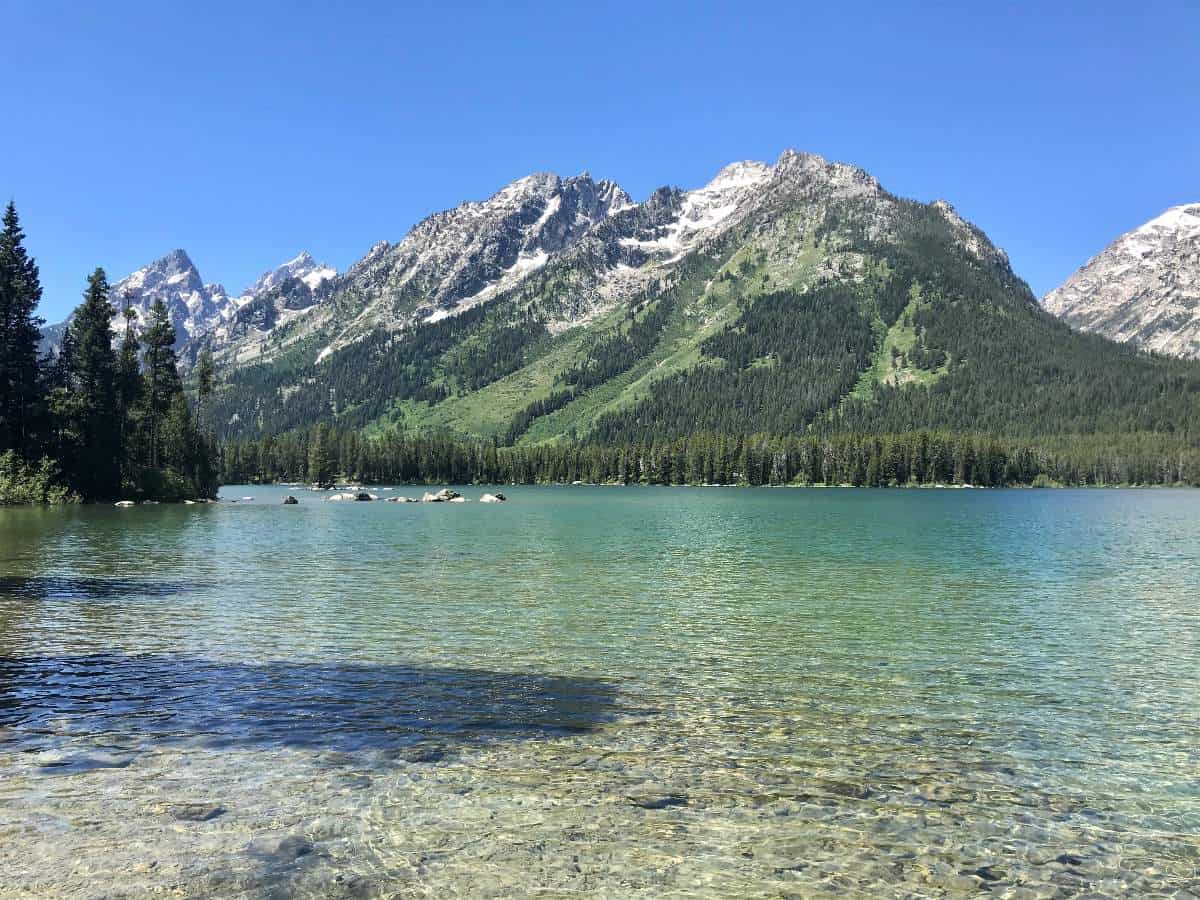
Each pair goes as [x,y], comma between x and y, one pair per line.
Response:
[93,422]
[978,355]
[871,460]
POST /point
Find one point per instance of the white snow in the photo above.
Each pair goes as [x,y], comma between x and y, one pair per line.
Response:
[1184,219]
[317,277]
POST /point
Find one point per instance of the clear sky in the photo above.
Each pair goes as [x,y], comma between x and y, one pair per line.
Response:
[246,132]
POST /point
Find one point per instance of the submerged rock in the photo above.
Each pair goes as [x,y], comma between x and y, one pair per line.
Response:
[657,801]
[280,849]
[195,812]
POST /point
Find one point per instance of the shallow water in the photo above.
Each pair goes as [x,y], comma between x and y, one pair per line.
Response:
[628,692]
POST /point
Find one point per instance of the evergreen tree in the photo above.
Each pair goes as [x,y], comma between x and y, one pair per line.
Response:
[93,367]
[205,382]
[162,382]
[320,457]
[129,395]
[21,399]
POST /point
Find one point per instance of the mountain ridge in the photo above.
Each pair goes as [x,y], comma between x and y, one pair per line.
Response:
[778,298]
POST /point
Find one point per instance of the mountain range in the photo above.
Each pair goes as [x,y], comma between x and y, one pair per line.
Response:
[777,298]
[204,313]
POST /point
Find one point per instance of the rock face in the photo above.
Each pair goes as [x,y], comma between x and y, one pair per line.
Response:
[1144,288]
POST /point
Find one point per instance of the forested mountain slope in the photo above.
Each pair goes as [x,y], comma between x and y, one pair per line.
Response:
[787,299]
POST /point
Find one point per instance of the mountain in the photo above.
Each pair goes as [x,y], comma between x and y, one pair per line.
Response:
[192,305]
[202,312]
[1144,288]
[788,298]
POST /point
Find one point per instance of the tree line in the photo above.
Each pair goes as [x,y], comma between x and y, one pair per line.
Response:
[93,421]
[324,454]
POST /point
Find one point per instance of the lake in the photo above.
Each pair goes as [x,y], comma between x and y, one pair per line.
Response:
[631,692]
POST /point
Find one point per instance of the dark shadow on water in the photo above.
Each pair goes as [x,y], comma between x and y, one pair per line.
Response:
[114,702]
[51,587]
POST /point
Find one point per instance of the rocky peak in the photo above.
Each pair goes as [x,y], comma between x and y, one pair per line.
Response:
[811,171]
[1144,288]
[301,267]
[174,279]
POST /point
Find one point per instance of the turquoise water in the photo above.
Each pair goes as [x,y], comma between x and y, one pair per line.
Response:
[615,691]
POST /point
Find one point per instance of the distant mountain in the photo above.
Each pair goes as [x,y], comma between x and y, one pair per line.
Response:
[781,298]
[1144,288]
[203,312]
[192,305]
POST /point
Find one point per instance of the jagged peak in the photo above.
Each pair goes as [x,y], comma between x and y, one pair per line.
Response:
[301,266]
[792,158]
[177,258]
[738,175]
[797,165]
[301,259]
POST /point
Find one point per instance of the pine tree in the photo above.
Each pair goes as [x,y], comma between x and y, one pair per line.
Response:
[21,398]
[205,381]
[93,374]
[320,458]
[161,376]
[129,395]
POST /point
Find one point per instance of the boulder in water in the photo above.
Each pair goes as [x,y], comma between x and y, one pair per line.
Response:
[124,503]
[289,500]
[493,498]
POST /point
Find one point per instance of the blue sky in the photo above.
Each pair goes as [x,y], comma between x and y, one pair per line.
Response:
[246,132]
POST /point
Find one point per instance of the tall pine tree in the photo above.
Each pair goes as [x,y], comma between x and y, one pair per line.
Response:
[162,382]
[93,374]
[205,382]
[129,396]
[21,398]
